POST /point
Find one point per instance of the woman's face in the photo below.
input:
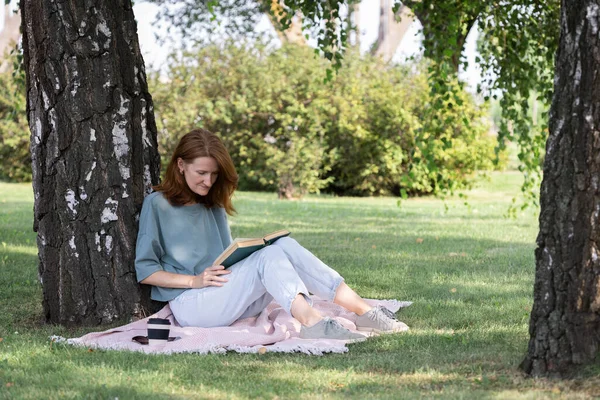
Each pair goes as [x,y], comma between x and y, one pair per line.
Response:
[200,174]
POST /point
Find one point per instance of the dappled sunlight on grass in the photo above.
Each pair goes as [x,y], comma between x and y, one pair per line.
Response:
[468,270]
[18,249]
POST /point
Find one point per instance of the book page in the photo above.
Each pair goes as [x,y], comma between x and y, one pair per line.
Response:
[276,234]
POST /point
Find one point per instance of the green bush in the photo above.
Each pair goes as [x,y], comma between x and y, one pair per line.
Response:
[288,130]
[384,141]
[15,158]
[263,104]
[364,133]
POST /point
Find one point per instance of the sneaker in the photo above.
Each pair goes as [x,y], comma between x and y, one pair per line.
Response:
[329,328]
[380,320]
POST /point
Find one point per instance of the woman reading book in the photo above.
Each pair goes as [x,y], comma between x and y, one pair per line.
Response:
[183,229]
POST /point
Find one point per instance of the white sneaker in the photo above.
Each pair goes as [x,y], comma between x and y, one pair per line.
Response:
[328,328]
[380,320]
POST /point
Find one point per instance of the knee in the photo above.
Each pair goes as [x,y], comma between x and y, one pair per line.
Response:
[286,243]
[273,253]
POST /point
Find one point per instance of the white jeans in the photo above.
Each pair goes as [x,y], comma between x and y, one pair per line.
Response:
[280,271]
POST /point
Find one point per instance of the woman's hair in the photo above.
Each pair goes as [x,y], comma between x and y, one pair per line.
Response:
[200,143]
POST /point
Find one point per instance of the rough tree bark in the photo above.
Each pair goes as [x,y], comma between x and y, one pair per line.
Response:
[565,320]
[94,154]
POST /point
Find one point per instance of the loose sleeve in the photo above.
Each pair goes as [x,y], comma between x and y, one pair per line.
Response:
[223,225]
[148,250]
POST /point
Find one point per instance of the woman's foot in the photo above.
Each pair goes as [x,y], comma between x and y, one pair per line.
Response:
[329,328]
[380,320]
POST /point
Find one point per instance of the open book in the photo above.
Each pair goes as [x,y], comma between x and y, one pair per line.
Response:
[242,248]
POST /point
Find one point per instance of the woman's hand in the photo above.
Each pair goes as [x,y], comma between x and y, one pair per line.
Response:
[211,276]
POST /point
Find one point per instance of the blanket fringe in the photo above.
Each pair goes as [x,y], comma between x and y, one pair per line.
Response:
[214,348]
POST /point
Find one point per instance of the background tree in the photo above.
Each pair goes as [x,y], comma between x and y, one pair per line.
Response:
[518,41]
[94,154]
[565,320]
[392,28]
[10,33]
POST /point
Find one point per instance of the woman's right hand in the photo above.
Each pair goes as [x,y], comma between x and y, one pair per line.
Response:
[211,276]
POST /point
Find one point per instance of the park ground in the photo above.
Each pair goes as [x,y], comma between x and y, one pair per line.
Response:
[468,269]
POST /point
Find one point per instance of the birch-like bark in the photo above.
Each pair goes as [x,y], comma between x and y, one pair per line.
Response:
[565,320]
[94,154]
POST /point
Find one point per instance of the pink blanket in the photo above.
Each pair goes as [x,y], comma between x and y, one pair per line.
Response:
[273,330]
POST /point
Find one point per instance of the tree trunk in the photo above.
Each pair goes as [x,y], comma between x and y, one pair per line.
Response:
[354,23]
[565,320]
[291,35]
[94,154]
[9,36]
[392,28]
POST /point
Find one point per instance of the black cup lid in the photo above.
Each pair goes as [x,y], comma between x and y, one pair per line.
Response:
[159,321]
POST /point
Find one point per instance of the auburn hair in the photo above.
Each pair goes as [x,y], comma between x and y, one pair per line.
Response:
[200,143]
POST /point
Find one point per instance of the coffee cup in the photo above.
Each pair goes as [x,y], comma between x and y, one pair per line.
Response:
[158,331]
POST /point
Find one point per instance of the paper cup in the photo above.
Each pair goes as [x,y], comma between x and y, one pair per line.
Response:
[158,331]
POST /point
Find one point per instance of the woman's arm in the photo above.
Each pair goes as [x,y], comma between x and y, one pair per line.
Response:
[211,276]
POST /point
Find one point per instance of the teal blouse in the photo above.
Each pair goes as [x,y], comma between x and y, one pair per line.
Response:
[179,239]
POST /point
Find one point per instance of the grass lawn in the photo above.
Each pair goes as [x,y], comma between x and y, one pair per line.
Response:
[468,270]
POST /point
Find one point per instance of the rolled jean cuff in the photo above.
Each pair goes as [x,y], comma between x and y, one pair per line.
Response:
[288,306]
[338,281]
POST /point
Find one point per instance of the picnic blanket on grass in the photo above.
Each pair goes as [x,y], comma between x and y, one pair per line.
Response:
[273,330]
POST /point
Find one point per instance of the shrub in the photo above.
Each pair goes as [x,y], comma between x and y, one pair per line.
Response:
[262,103]
[363,133]
[15,158]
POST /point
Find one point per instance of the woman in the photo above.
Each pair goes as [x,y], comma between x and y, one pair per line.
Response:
[183,229]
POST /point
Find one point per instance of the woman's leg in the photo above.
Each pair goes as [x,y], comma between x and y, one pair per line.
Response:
[328,284]
[252,284]
[347,298]
[321,279]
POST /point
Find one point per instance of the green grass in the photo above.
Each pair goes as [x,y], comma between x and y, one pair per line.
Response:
[468,270]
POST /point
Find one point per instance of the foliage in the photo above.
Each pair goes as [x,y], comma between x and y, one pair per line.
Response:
[15,159]
[263,104]
[517,48]
[289,131]
[517,45]
[199,22]
[380,112]
[519,39]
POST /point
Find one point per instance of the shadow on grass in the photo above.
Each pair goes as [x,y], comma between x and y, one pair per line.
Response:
[370,369]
